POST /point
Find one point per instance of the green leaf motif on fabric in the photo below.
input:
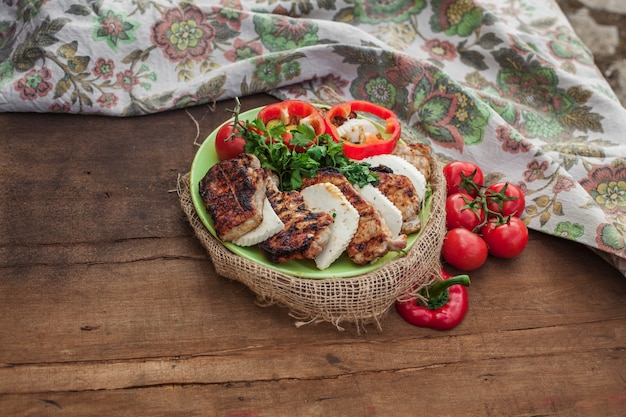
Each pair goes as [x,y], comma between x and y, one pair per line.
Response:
[610,237]
[557,112]
[447,113]
[376,11]
[280,33]
[567,46]
[456,17]
[114,28]
[569,230]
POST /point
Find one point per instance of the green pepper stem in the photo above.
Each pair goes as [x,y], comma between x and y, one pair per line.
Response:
[441,286]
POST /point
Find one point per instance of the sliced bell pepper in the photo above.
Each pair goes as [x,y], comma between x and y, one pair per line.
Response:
[446,307]
[293,113]
[370,144]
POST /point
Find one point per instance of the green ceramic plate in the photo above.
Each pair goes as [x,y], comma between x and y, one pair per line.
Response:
[343,267]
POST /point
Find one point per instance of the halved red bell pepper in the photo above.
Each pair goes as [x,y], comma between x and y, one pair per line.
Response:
[293,113]
[371,144]
[446,307]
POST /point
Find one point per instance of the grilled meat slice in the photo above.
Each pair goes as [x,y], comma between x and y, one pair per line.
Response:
[400,191]
[233,192]
[418,154]
[373,238]
[305,233]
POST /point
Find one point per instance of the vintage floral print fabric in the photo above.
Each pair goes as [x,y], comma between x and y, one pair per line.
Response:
[504,83]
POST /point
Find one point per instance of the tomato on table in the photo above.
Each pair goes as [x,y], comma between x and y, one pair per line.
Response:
[505,240]
[463,211]
[228,141]
[464,250]
[364,141]
[505,198]
[462,176]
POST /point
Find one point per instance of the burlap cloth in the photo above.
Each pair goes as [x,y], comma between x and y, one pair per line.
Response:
[361,300]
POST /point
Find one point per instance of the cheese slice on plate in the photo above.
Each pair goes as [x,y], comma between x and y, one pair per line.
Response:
[327,197]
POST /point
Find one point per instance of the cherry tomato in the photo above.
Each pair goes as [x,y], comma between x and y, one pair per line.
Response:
[506,240]
[463,211]
[464,250]
[513,203]
[228,143]
[460,174]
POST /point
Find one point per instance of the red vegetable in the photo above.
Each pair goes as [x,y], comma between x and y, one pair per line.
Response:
[229,142]
[371,144]
[464,211]
[464,250]
[447,304]
[506,199]
[293,113]
[462,176]
[505,240]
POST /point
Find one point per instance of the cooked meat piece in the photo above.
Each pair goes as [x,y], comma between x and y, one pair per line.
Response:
[305,233]
[373,238]
[401,166]
[418,154]
[233,191]
[400,191]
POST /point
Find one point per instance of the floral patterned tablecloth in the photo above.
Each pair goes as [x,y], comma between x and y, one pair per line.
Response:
[506,84]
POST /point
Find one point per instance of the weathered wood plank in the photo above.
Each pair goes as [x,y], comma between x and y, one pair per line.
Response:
[496,387]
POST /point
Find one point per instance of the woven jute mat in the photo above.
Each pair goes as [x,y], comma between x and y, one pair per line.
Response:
[360,300]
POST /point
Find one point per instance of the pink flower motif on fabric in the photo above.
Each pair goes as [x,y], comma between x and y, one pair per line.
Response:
[440,50]
[34,84]
[183,34]
[104,68]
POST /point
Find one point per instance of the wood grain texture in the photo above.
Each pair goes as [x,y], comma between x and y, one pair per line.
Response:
[109,306]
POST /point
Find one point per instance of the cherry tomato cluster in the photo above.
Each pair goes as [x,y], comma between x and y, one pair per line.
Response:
[481,220]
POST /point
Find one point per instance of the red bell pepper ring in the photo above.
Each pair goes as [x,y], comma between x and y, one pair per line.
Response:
[372,144]
[293,113]
[446,307]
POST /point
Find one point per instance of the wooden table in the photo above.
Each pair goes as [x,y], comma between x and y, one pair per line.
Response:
[109,305]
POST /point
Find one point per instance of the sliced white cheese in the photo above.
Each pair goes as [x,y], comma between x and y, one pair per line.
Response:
[356,130]
[390,213]
[327,197]
[270,225]
[401,166]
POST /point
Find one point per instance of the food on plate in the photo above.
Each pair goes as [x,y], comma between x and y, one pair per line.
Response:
[418,154]
[399,189]
[373,238]
[305,232]
[361,138]
[269,226]
[296,193]
[327,197]
[401,166]
[391,214]
[234,191]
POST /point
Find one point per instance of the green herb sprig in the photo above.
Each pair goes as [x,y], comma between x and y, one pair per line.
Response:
[305,154]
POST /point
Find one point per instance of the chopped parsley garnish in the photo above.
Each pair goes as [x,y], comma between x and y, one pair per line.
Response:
[301,155]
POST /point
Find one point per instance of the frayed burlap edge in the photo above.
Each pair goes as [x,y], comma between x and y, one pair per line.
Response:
[361,300]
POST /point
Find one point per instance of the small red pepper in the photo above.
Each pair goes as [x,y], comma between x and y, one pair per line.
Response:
[446,307]
[372,145]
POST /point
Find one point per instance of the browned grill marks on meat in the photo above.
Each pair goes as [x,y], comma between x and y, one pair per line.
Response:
[373,238]
[401,192]
[305,232]
[233,191]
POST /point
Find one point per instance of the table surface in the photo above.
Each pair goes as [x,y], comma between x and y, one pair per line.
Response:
[110,306]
